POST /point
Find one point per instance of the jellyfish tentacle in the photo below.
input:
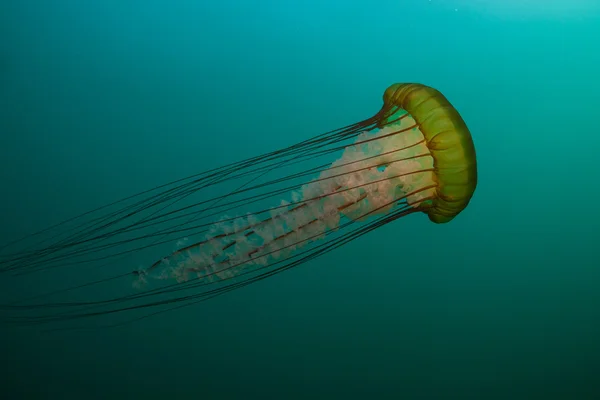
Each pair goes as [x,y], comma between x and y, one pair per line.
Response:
[250,255]
[250,228]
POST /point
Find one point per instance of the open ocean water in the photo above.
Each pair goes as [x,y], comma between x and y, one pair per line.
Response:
[100,100]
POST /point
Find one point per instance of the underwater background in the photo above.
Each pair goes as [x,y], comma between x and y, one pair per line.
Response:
[103,99]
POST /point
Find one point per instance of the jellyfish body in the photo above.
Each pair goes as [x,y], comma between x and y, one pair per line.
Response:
[422,153]
[415,155]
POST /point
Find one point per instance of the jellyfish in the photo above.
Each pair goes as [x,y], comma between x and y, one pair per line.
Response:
[226,228]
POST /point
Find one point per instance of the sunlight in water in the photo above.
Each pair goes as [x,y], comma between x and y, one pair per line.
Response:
[524,8]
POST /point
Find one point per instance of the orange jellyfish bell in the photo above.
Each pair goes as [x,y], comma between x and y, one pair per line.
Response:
[448,140]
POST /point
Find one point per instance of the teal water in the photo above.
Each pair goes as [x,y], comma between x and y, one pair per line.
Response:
[103,99]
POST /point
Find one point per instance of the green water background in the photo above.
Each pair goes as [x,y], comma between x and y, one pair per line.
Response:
[101,99]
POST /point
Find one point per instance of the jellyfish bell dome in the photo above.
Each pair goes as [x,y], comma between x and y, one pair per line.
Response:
[448,140]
